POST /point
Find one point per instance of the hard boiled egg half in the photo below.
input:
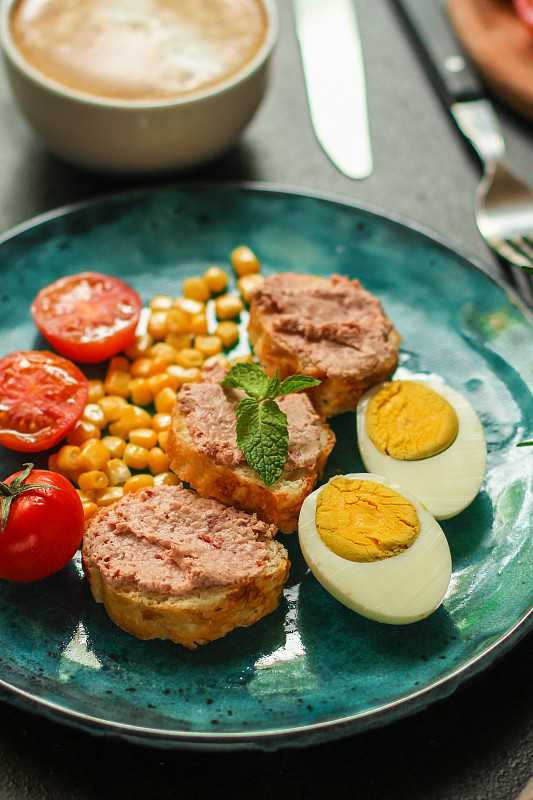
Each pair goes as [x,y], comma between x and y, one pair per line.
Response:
[375,548]
[425,437]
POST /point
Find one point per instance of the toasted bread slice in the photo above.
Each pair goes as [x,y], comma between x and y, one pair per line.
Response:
[329,328]
[197,616]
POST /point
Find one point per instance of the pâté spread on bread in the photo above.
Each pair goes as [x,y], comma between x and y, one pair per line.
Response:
[203,450]
[167,563]
[210,412]
[330,328]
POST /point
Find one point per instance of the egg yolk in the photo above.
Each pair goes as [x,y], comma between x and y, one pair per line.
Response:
[365,521]
[409,421]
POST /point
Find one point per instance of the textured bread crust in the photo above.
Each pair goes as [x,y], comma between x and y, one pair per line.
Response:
[197,617]
[241,486]
[334,395]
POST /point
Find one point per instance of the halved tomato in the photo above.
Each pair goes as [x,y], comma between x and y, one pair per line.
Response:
[43,396]
[87,317]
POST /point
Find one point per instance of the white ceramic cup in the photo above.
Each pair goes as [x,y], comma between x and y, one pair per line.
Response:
[134,137]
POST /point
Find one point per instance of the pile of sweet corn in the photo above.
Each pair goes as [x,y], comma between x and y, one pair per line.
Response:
[119,444]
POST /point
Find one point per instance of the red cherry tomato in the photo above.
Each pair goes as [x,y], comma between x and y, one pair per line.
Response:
[524,9]
[44,526]
[42,396]
[87,317]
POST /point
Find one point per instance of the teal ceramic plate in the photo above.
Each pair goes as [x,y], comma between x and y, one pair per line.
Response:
[312,670]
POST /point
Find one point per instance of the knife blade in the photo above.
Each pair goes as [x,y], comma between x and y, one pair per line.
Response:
[333,65]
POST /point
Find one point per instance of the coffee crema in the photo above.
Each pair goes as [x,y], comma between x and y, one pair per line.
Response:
[139,50]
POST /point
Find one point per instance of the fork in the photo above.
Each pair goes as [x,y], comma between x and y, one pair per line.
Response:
[503,204]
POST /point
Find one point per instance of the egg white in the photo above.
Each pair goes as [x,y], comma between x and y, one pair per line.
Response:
[446,483]
[397,590]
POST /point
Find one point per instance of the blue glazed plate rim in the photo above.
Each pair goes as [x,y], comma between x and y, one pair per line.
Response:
[315,731]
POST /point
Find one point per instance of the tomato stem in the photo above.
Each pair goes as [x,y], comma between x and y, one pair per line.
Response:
[11,490]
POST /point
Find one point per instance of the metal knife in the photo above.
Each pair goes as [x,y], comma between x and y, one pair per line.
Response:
[457,82]
[334,75]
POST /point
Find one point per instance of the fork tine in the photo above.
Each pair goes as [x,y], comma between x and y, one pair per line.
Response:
[525,247]
[507,249]
[521,280]
[517,267]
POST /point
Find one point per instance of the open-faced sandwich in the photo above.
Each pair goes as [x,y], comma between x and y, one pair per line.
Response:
[203,450]
[169,564]
[328,328]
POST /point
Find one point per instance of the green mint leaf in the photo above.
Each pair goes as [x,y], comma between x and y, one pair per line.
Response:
[261,427]
[263,437]
[294,383]
[249,377]
[273,387]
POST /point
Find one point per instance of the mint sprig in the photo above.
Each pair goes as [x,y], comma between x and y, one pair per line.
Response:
[262,430]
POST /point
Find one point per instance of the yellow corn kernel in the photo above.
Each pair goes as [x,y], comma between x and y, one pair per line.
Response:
[117,471]
[136,482]
[94,414]
[117,382]
[208,345]
[183,375]
[113,406]
[93,479]
[228,306]
[166,479]
[158,364]
[189,306]
[87,496]
[108,496]
[165,351]
[68,459]
[189,357]
[216,279]
[228,333]
[248,284]
[178,340]
[219,358]
[164,400]
[161,422]
[115,445]
[158,460]
[118,364]
[244,261]
[52,465]
[160,302]
[139,346]
[178,321]
[93,455]
[196,289]
[89,509]
[157,324]
[135,456]
[246,358]
[199,324]
[82,431]
[162,440]
[131,417]
[161,381]
[140,392]
[96,390]
[140,368]
[146,437]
